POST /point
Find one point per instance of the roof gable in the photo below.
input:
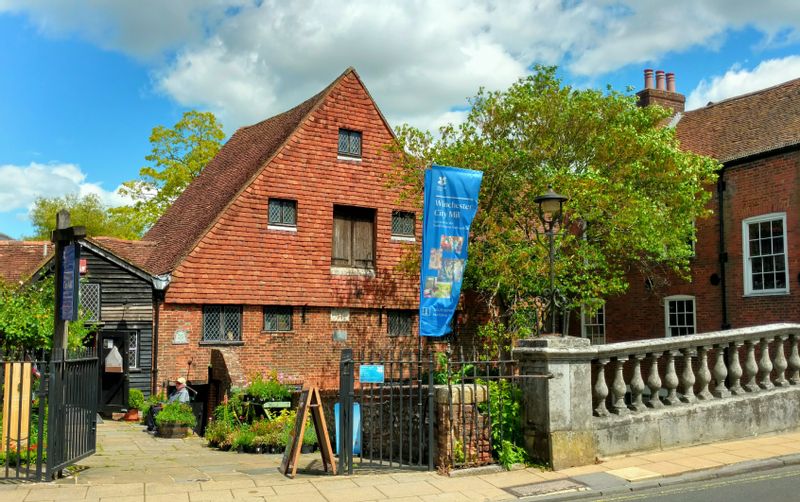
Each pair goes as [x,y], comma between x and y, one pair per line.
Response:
[745,125]
[240,159]
[20,259]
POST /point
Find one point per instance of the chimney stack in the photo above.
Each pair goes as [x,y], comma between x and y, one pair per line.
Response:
[648,78]
[670,82]
[663,93]
[660,82]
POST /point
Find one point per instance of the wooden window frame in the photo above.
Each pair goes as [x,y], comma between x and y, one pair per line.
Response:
[392,323]
[589,324]
[224,311]
[349,153]
[350,223]
[668,326]
[747,258]
[281,203]
[278,310]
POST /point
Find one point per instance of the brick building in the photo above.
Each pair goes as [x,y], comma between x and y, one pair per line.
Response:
[284,250]
[747,253]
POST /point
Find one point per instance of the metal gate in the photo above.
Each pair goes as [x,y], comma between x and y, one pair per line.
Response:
[72,413]
[414,410]
[49,410]
[388,418]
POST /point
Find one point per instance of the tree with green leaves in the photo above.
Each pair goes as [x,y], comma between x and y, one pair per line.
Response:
[634,195]
[178,155]
[26,317]
[88,211]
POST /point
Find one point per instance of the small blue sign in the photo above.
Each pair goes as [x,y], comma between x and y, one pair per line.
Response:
[70,278]
[370,373]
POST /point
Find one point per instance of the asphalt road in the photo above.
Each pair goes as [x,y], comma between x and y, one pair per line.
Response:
[764,486]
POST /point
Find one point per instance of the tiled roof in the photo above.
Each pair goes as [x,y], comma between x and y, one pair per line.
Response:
[136,253]
[19,259]
[196,209]
[746,125]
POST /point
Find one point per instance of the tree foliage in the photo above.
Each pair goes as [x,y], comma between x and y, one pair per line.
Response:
[26,317]
[634,194]
[87,211]
[178,155]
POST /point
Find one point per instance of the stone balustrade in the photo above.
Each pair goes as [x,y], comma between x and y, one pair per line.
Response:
[649,394]
[636,377]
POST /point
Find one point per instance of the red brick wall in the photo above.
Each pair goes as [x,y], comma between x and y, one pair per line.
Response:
[241,261]
[760,187]
[307,354]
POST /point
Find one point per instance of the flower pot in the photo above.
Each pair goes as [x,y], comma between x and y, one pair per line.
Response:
[173,431]
[131,415]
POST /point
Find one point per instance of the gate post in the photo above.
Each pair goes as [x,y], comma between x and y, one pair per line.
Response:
[345,436]
[557,411]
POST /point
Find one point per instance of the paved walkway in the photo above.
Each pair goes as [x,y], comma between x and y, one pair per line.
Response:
[133,466]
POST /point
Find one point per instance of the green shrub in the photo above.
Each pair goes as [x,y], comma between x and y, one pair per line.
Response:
[135,399]
[176,413]
[217,433]
[243,438]
[309,435]
[269,389]
[152,400]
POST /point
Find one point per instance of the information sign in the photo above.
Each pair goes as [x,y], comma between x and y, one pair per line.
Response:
[370,373]
[70,278]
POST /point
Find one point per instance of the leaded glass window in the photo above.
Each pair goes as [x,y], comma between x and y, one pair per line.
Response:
[278,318]
[90,300]
[283,212]
[350,143]
[403,223]
[133,350]
[222,323]
[765,254]
[399,322]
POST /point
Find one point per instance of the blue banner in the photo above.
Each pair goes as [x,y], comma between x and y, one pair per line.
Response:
[70,278]
[451,201]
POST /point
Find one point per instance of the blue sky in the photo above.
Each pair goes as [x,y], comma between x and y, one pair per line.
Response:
[83,83]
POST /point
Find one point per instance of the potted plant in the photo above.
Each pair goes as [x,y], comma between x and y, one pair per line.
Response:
[175,420]
[135,405]
[309,439]
[269,393]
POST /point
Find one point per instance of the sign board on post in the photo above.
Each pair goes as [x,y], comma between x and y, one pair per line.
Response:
[70,279]
[450,204]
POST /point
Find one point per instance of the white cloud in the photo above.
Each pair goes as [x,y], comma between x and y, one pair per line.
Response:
[246,60]
[23,184]
[740,80]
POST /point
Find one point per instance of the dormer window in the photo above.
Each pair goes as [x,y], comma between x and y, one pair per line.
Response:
[349,144]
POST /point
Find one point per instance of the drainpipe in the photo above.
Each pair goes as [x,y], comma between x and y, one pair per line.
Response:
[723,254]
[154,341]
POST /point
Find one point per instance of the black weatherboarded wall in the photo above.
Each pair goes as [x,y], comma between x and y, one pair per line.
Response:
[126,306]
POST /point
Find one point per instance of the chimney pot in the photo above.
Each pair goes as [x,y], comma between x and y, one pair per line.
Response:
[660,81]
[648,78]
[670,82]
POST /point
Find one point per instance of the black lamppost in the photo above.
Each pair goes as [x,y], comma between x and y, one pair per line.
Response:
[551,204]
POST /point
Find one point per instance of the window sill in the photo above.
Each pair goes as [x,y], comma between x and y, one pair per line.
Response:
[353,271]
[345,157]
[222,343]
[265,332]
[282,228]
[403,238]
[768,293]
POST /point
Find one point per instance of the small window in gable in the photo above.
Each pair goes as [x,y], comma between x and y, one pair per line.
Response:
[403,223]
[350,143]
[278,318]
[283,212]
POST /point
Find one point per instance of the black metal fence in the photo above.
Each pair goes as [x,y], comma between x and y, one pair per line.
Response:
[72,418]
[388,421]
[422,410]
[49,406]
